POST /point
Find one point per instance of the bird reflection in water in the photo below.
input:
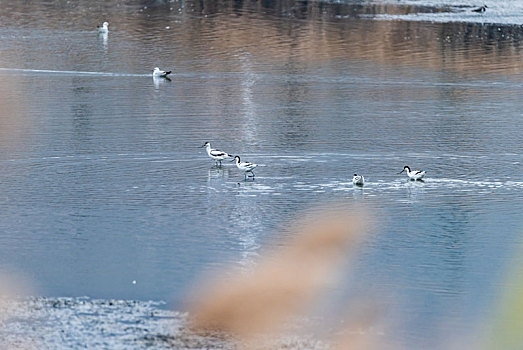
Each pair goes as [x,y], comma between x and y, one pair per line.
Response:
[158,81]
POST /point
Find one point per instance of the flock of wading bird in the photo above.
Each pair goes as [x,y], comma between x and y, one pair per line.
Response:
[248,167]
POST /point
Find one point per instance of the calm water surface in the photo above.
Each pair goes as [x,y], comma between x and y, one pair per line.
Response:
[103,183]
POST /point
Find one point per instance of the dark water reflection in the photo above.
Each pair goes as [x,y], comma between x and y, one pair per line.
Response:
[103,182]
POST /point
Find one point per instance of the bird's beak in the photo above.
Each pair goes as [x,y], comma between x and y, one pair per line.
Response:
[202,146]
[401,171]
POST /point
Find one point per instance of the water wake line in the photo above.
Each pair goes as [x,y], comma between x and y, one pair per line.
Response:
[70,72]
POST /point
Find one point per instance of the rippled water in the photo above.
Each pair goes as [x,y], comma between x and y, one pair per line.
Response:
[103,183]
[506,12]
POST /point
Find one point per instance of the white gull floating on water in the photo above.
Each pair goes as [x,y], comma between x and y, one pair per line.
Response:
[157,72]
[104,28]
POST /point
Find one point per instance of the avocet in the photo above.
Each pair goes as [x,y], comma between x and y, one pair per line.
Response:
[246,167]
[216,154]
[413,174]
[358,180]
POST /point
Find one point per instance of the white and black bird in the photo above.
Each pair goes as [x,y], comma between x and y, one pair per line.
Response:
[414,174]
[246,167]
[104,28]
[481,9]
[158,73]
[358,180]
[216,154]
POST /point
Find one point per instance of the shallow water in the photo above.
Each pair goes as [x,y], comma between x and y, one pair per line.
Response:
[103,183]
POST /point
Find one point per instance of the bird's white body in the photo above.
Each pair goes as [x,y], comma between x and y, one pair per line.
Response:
[104,28]
[157,72]
[246,167]
[414,174]
[216,154]
[358,180]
